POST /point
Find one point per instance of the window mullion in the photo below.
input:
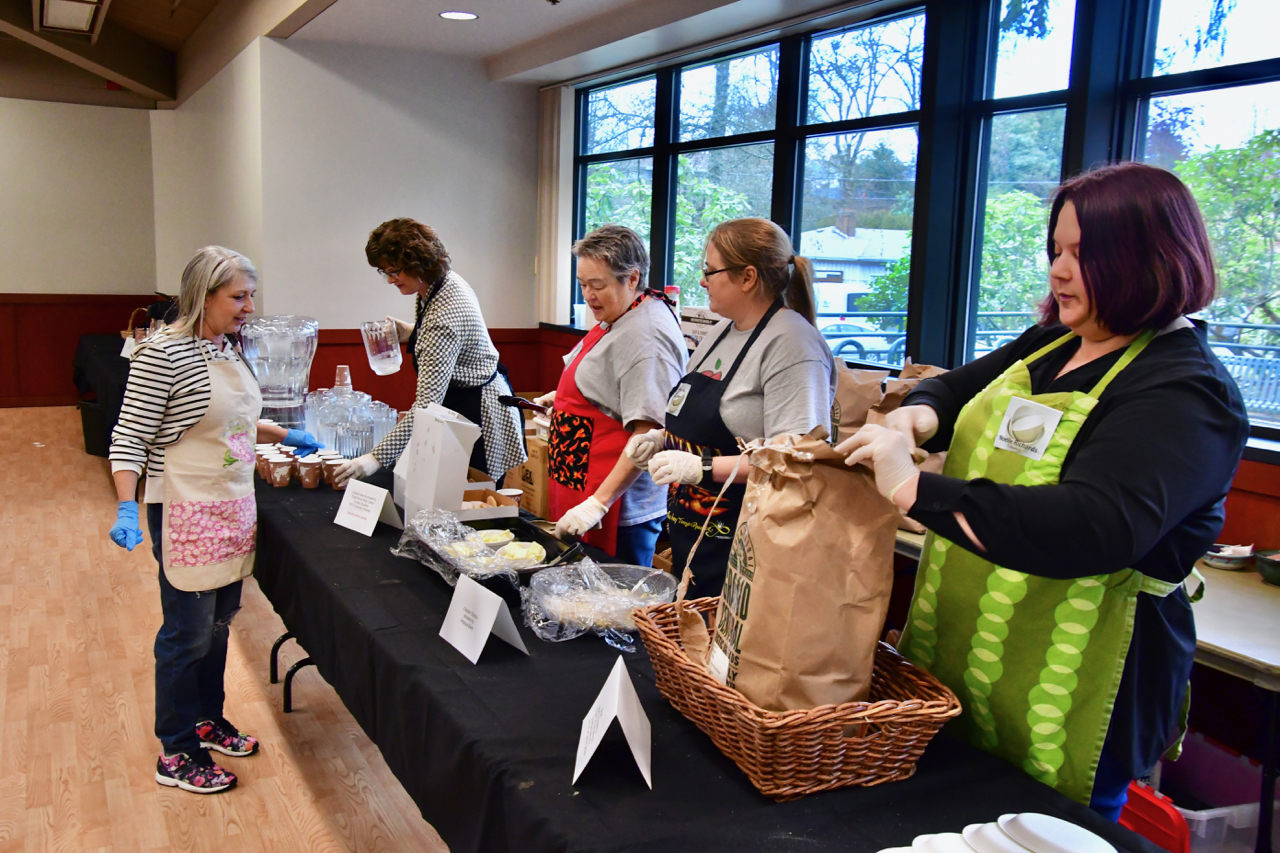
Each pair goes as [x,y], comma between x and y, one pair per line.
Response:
[786,151]
[953,73]
[662,218]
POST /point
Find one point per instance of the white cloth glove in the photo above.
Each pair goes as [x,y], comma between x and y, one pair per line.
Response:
[675,466]
[886,452]
[581,518]
[918,423]
[548,399]
[641,447]
[403,329]
[360,467]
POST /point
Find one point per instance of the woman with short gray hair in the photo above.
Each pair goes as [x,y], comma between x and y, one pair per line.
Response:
[614,386]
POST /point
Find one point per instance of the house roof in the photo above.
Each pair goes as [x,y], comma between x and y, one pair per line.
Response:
[865,244]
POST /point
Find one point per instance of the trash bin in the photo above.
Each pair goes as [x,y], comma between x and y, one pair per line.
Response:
[93,421]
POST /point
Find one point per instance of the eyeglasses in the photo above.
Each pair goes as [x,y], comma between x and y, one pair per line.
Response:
[390,274]
[706,273]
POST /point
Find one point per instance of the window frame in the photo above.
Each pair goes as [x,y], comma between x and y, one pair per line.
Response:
[1109,87]
[788,136]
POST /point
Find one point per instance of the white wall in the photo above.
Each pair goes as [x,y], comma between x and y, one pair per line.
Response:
[75,199]
[208,172]
[353,136]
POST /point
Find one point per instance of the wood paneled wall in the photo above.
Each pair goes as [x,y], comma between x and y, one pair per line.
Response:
[38,337]
[39,333]
[523,351]
[1253,506]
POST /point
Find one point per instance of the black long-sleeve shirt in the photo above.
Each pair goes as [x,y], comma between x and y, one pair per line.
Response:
[1143,483]
[1143,486]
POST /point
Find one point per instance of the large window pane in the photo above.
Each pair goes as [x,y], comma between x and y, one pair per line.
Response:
[620,117]
[1194,34]
[1225,145]
[859,194]
[712,186]
[618,193]
[866,71]
[735,95]
[1034,52]
[1023,171]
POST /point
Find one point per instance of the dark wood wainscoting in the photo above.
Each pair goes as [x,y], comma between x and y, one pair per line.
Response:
[38,337]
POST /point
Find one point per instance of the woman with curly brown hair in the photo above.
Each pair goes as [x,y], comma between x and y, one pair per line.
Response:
[449,344]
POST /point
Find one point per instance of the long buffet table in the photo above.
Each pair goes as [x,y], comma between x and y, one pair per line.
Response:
[487,751]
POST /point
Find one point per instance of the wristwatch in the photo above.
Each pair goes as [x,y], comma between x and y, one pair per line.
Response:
[707,481]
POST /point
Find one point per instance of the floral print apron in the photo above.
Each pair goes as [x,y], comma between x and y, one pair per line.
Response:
[210,513]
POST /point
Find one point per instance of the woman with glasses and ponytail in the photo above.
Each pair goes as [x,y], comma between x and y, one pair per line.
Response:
[763,371]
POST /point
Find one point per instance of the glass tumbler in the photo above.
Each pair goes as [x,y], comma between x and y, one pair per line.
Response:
[381,345]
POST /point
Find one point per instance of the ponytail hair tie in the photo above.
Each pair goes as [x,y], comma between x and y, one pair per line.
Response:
[791,260]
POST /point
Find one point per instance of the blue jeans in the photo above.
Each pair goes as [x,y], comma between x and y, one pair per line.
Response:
[637,541]
[1110,788]
[191,653]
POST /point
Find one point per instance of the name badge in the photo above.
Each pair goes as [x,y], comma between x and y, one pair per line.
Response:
[1027,428]
[678,396]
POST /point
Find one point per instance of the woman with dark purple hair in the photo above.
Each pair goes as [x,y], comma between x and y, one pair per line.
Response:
[1088,466]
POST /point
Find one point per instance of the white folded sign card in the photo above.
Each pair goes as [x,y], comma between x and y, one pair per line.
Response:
[474,614]
[363,506]
[618,699]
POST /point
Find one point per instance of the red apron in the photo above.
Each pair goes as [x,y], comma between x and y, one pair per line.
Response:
[585,446]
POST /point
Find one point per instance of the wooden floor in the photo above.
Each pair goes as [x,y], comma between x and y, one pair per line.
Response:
[78,617]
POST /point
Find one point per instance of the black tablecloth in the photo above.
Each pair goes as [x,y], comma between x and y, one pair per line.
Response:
[100,369]
[487,751]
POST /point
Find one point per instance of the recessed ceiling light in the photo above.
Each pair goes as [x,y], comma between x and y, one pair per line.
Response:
[458,16]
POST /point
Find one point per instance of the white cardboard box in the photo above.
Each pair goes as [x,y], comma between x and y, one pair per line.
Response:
[696,324]
[506,507]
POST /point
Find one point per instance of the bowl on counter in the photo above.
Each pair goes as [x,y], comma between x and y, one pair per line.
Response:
[1228,564]
[1268,563]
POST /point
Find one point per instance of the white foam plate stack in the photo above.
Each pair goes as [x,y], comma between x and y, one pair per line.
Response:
[1012,833]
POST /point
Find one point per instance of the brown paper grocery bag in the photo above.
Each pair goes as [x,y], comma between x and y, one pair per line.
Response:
[895,391]
[808,580]
[857,391]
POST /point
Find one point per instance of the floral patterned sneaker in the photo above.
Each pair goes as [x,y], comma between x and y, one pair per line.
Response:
[193,772]
[222,736]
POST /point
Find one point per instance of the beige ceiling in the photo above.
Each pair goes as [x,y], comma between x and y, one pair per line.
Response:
[158,21]
[417,25]
[153,53]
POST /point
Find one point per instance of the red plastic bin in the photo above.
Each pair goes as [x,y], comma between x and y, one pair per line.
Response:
[1154,818]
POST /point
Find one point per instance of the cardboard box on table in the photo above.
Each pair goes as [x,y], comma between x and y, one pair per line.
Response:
[531,476]
[506,507]
[431,473]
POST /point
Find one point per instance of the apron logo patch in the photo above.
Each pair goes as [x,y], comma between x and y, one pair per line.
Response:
[1027,428]
[678,396]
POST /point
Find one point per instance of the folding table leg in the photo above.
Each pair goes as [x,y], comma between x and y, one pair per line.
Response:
[1266,805]
[288,682]
[275,656]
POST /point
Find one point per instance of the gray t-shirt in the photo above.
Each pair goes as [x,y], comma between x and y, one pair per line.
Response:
[628,376]
[786,382]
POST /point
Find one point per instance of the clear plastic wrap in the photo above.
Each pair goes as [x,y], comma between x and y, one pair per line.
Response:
[435,538]
[565,602]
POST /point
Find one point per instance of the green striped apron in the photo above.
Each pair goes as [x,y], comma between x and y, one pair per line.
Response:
[1035,661]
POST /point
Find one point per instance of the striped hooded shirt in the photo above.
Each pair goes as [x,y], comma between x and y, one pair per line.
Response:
[168,393]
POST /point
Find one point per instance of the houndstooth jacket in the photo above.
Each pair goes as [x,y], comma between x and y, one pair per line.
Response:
[453,346]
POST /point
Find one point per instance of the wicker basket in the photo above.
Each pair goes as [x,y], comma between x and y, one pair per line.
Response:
[789,754]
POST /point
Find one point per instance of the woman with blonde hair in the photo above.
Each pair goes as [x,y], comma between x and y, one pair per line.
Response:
[190,415]
[762,372]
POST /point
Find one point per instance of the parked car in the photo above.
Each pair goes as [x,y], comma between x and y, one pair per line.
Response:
[856,342]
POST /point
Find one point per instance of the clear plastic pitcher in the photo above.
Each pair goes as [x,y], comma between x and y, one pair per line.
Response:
[279,350]
[382,346]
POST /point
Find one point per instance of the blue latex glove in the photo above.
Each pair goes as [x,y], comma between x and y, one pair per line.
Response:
[304,441]
[126,532]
